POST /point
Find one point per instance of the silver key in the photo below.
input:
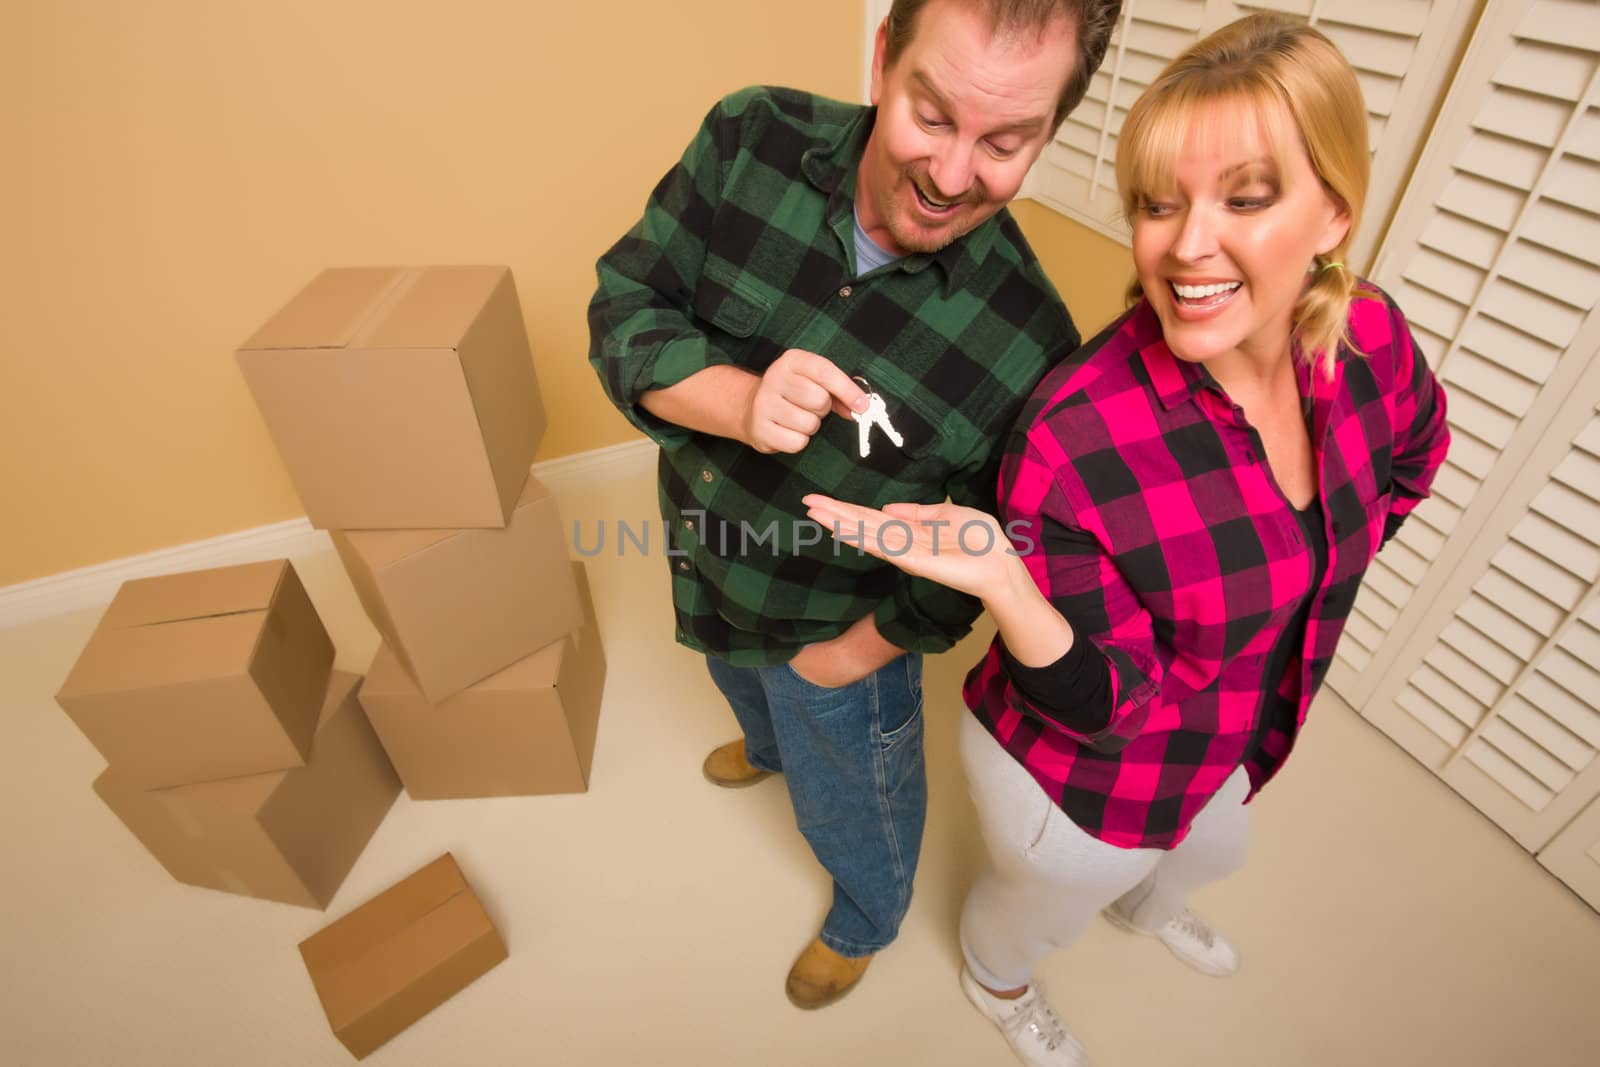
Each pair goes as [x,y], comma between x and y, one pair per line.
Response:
[877,414]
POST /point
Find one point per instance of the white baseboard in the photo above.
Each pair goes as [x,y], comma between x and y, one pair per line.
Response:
[57,594]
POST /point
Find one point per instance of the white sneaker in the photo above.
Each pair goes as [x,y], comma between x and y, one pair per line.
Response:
[1032,1028]
[1191,939]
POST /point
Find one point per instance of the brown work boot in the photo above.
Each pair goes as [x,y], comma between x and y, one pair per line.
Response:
[821,976]
[727,767]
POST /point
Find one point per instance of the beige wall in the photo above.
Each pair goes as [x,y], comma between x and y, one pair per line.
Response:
[176,169]
[1091,271]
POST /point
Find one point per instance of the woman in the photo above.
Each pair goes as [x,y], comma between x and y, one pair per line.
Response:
[1196,495]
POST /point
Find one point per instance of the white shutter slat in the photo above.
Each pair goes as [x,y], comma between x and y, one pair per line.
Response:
[1090,114]
[1464,239]
[1558,544]
[1548,734]
[1361,631]
[1405,19]
[1288,7]
[1562,707]
[1489,203]
[1440,514]
[1436,313]
[1546,70]
[1464,674]
[1078,137]
[1432,346]
[1184,14]
[1571,281]
[1555,584]
[1522,116]
[1576,678]
[1439,722]
[1582,642]
[1574,182]
[1512,349]
[1501,159]
[1155,45]
[1388,585]
[1380,611]
[1381,53]
[1565,229]
[1444,693]
[1419,536]
[1532,758]
[1570,509]
[1584,140]
[1532,313]
[1490,381]
[1466,451]
[1499,627]
[1404,562]
[1512,778]
[1381,94]
[1495,661]
[1589,438]
[1524,603]
[1574,23]
[1445,274]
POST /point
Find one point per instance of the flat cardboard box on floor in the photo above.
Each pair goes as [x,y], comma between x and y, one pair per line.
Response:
[400,398]
[290,836]
[529,729]
[457,606]
[400,955]
[204,675]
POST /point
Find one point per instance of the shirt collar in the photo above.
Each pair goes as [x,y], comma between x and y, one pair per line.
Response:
[1174,380]
[830,165]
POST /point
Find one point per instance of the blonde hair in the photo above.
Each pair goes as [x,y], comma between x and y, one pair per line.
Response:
[1305,94]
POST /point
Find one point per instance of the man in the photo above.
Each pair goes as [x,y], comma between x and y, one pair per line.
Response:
[802,255]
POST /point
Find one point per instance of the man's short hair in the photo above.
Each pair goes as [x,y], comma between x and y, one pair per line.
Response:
[1094,19]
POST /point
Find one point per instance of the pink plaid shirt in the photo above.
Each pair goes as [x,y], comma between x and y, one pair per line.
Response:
[1164,540]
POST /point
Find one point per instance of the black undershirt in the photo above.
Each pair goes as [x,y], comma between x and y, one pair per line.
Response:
[1274,710]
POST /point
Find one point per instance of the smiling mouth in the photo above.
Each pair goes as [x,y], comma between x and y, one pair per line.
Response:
[931,205]
[1204,296]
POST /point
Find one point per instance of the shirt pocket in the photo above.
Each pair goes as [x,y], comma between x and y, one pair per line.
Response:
[833,460]
[728,301]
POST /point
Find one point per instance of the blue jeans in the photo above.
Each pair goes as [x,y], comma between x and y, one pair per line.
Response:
[852,758]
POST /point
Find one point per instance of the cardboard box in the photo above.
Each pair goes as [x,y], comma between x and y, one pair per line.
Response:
[205,675]
[529,729]
[400,955]
[288,835]
[400,399]
[457,606]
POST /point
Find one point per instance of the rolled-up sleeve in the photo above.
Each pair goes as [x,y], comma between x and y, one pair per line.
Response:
[1102,707]
[642,332]
[1422,436]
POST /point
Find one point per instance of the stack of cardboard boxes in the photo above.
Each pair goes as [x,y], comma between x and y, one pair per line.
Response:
[405,406]
[238,755]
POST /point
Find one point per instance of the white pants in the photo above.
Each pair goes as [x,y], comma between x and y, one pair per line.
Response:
[1046,878]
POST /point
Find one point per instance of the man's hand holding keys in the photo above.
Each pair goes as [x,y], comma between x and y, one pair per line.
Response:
[794,395]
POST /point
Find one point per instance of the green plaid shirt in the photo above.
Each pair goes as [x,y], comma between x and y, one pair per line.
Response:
[746,250]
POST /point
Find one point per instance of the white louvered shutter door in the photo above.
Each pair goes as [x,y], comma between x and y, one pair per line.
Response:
[1505,705]
[1476,638]
[1396,46]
